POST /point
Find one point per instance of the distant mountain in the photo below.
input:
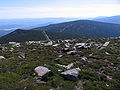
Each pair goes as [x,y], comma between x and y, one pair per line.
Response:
[113,19]
[67,30]
[7,25]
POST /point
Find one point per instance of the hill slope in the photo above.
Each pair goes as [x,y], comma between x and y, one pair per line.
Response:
[67,30]
[34,35]
[86,28]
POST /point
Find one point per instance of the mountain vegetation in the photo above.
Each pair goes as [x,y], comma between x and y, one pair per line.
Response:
[97,62]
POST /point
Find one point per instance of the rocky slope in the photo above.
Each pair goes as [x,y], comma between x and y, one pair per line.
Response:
[61,65]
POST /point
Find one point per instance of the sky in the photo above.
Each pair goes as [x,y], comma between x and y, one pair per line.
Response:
[10,9]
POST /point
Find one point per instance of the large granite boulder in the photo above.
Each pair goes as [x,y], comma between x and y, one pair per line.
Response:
[71,74]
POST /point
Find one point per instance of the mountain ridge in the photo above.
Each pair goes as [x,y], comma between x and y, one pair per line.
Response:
[66,30]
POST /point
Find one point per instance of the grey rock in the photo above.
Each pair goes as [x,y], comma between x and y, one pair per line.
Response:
[65,50]
[71,75]
[84,58]
[49,43]
[106,44]
[66,67]
[57,59]
[3,48]
[118,58]
[71,52]
[60,56]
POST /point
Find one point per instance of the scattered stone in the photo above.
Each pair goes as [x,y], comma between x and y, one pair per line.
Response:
[33,42]
[67,41]
[84,58]
[39,81]
[79,86]
[12,42]
[107,85]
[23,80]
[91,55]
[118,58]
[55,45]
[59,70]
[8,71]
[11,58]
[57,59]
[3,48]
[71,75]
[49,43]
[21,55]
[24,88]
[80,45]
[1,57]
[109,77]
[11,49]
[65,50]
[66,67]
[71,52]
[41,71]
[106,44]
[60,56]
[15,44]
[107,53]
[66,45]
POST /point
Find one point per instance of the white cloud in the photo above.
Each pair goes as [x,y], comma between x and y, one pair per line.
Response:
[39,12]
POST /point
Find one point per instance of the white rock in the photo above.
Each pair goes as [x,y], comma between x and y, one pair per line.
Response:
[80,44]
[55,45]
[60,56]
[67,41]
[66,45]
[1,57]
[106,44]
[41,71]
[12,42]
[84,58]
[49,43]
[107,53]
[16,45]
[71,52]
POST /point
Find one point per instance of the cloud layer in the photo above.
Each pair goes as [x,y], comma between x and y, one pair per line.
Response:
[40,12]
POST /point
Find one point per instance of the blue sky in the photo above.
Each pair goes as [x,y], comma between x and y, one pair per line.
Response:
[58,8]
